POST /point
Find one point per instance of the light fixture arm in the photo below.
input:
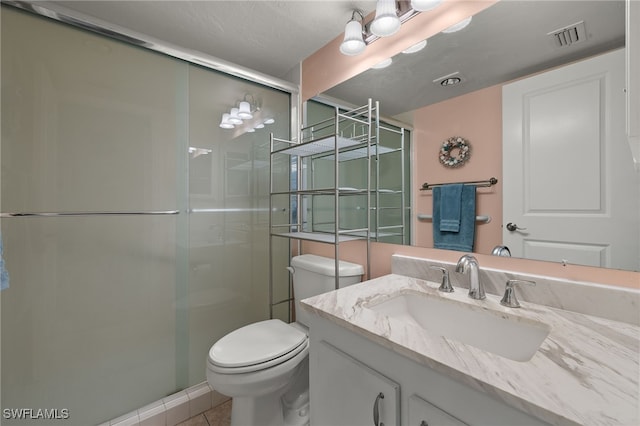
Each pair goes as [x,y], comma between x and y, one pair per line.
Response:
[359,13]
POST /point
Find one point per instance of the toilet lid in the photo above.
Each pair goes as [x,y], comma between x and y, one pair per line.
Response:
[256,343]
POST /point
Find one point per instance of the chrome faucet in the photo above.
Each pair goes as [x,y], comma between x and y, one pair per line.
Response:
[469,264]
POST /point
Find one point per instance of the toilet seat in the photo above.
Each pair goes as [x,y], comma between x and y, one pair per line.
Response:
[256,346]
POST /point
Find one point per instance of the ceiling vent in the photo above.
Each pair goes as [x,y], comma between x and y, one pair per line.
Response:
[569,35]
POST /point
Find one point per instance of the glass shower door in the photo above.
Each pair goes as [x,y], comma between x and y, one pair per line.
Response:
[159,241]
[88,125]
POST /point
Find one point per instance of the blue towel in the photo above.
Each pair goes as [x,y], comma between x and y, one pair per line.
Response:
[464,238]
[450,205]
[4,275]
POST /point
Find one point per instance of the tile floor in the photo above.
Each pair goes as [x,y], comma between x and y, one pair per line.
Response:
[217,416]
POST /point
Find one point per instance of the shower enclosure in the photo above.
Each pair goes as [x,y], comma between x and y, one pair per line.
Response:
[135,228]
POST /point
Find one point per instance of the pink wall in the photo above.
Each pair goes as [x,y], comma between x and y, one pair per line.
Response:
[477,117]
[381,253]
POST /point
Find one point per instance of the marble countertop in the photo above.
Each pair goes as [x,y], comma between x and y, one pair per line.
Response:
[585,372]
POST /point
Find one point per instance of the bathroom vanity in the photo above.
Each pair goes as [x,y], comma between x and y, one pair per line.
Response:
[396,351]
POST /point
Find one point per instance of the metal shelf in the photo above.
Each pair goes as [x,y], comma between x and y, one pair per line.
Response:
[321,237]
[320,146]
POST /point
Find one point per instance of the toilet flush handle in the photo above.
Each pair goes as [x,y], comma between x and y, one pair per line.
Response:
[291,270]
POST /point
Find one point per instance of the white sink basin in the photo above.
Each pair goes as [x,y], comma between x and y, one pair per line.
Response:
[508,336]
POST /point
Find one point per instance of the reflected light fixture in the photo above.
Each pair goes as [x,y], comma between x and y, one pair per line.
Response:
[457,27]
[389,17]
[415,48]
[383,64]
[225,124]
[353,43]
[424,5]
[386,22]
[269,121]
[244,110]
[233,116]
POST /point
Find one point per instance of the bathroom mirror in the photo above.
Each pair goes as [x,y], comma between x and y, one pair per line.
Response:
[504,42]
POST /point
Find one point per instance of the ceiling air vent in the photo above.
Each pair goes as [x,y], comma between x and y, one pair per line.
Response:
[569,35]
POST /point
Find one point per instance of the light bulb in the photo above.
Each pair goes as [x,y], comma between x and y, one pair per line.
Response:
[457,27]
[424,5]
[225,124]
[385,63]
[386,22]
[233,116]
[269,121]
[353,43]
[416,47]
[244,111]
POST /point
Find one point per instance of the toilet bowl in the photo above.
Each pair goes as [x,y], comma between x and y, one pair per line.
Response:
[264,366]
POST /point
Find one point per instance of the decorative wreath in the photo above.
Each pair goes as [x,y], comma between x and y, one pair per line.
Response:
[455,152]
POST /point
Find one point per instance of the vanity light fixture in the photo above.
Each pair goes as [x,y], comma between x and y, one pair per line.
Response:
[233,116]
[383,64]
[246,117]
[457,27]
[353,43]
[390,15]
[386,22]
[424,5]
[225,124]
[244,110]
[415,48]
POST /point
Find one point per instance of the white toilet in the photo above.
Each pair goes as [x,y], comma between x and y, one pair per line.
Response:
[264,366]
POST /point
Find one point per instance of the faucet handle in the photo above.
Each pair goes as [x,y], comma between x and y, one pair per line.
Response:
[446,284]
[509,299]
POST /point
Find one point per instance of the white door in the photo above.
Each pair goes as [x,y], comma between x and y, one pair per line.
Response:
[569,178]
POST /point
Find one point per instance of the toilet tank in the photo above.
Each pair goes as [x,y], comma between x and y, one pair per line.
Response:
[313,275]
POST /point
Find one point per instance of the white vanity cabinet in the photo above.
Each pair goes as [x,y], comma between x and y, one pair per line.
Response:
[348,372]
[352,393]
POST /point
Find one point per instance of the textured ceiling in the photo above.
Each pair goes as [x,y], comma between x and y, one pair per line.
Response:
[506,41]
[267,36]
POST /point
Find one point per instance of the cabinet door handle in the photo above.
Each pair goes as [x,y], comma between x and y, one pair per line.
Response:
[376,410]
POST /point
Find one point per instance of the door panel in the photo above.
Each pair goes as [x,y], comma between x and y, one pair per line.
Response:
[351,389]
[569,180]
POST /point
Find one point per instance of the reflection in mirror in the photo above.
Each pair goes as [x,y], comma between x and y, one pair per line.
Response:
[390,208]
[508,41]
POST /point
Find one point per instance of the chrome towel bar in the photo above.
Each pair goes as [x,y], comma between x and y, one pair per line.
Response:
[489,182]
[484,219]
[61,214]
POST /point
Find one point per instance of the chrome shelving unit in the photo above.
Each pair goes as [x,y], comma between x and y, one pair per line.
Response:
[348,135]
